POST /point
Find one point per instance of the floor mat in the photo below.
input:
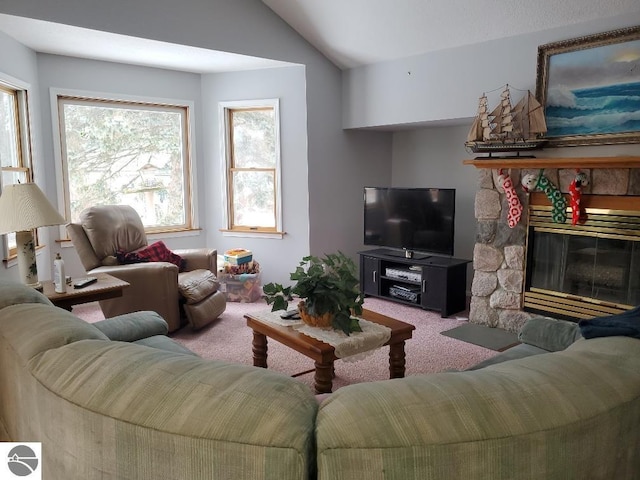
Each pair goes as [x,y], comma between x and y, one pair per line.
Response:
[487,337]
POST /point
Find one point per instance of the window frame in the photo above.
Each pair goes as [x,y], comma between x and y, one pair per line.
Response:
[20,91]
[191,225]
[225,110]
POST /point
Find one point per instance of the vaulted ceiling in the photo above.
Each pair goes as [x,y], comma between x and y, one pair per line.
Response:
[350,33]
[358,32]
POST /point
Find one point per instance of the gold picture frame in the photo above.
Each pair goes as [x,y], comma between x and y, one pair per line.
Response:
[590,89]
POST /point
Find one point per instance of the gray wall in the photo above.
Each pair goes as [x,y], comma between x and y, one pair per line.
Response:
[338,163]
[445,85]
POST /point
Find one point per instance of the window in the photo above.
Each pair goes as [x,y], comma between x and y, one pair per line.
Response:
[15,147]
[252,154]
[127,152]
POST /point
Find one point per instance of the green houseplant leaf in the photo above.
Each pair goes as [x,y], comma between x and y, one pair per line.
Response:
[327,285]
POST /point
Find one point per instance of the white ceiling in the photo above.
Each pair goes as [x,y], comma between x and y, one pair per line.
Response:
[349,32]
[358,32]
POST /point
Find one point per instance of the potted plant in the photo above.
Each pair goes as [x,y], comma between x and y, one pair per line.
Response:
[329,291]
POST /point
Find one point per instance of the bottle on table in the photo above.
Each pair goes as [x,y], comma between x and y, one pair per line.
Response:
[59,277]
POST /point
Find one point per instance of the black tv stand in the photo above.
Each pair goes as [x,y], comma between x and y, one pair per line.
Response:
[431,282]
[408,254]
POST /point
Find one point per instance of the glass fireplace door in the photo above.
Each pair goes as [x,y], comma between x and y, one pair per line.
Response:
[597,268]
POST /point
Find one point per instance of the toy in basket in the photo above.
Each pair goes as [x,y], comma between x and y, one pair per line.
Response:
[238,256]
[241,283]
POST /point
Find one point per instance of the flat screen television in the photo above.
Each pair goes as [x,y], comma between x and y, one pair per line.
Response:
[419,220]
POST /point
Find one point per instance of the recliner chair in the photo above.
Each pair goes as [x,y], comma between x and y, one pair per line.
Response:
[179,297]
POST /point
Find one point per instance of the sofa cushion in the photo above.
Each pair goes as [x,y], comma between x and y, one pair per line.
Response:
[197,285]
[133,326]
[519,351]
[549,333]
[164,343]
[16,293]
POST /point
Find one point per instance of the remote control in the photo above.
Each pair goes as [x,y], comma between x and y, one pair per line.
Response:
[290,314]
[83,282]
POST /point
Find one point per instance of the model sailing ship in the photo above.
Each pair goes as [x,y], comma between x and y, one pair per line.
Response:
[508,128]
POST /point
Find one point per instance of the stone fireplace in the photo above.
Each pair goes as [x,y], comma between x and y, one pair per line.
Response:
[560,270]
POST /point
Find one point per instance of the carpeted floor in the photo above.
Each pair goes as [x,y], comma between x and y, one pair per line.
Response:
[229,339]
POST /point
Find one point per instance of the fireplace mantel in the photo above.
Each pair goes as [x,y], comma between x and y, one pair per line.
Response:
[578,162]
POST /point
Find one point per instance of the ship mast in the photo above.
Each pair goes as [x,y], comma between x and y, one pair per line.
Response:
[537,123]
[480,129]
[502,117]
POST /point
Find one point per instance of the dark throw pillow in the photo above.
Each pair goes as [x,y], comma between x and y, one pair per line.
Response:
[626,324]
[156,252]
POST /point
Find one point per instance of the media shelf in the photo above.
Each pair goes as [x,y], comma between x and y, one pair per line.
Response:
[431,282]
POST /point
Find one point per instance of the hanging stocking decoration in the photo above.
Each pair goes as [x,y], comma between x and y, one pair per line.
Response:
[575,190]
[515,207]
[559,203]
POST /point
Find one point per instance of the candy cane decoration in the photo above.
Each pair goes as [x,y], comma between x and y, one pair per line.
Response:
[559,203]
[515,207]
[575,190]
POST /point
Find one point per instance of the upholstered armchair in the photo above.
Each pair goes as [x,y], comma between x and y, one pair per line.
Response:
[190,294]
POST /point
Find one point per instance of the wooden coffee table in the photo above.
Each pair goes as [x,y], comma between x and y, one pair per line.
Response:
[105,288]
[322,353]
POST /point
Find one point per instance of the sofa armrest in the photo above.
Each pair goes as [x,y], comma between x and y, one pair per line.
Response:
[141,272]
[133,326]
[14,293]
[549,333]
[200,258]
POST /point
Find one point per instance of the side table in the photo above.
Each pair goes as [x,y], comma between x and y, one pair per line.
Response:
[105,288]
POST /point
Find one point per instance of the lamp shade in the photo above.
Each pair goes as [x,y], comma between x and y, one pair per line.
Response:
[24,207]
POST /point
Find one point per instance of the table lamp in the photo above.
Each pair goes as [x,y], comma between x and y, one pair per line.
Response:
[24,207]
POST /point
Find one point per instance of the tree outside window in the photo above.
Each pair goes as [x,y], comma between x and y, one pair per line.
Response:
[132,153]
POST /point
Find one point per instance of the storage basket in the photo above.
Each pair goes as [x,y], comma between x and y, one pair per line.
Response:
[243,288]
[325,320]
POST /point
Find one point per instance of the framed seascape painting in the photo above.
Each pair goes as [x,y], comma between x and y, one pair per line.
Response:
[590,88]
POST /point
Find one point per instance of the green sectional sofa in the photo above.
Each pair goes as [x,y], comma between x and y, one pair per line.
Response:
[122,402]
[529,414]
[108,409]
